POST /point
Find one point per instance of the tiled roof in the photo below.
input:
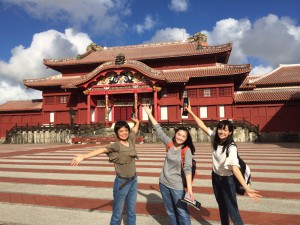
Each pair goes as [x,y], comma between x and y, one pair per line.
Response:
[171,75]
[246,85]
[142,52]
[22,105]
[283,75]
[268,95]
[52,81]
[184,74]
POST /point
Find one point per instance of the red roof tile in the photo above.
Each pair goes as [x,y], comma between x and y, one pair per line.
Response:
[142,52]
[171,75]
[22,105]
[283,75]
[52,81]
[246,85]
[268,95]
[184,74]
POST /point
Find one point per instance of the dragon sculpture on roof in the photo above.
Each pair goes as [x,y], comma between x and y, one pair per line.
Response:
[93,47]
[200,38]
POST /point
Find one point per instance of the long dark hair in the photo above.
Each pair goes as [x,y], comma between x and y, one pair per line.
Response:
[119,125]
[188,142]
[222,125]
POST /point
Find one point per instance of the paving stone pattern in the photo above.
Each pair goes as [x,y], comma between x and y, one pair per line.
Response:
[39,187]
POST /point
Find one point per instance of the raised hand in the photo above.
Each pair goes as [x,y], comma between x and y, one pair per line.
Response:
[135,120]
[147,108]
[188,108]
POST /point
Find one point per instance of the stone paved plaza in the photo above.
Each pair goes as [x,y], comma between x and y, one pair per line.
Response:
[39,187]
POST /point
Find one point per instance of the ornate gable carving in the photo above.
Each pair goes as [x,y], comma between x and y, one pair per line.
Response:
[122,78]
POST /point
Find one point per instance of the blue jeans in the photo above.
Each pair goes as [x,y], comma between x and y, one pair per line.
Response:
[127,195]
[224,189]
[176,209]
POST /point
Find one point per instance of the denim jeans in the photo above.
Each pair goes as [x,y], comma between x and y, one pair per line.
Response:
[127,195]
[176,209]
[224,189]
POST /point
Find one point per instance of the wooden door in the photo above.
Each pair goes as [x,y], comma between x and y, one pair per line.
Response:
[122,113]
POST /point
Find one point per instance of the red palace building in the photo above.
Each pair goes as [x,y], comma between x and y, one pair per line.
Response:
[106,84]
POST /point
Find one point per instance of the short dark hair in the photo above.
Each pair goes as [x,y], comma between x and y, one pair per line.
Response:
[119,125]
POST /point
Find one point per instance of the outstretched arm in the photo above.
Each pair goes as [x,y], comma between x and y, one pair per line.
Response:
[76,160]
[253,194]
[199,122]
[136,125]
[149,112]
[158,129]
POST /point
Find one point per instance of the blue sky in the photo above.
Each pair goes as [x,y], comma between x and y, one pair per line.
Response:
[264,33]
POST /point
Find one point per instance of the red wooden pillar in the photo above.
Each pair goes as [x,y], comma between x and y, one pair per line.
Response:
[113,112]
[155,105]
[140,112]
[88,109]
[96,114]
[159,111]
[106,109]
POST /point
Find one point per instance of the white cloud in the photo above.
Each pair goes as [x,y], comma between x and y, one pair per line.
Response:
[273,40]
[100,16]
[148,24]
[269,40]
[169,34]
[261,70]
[266,43]
[26,63]
[179,5]
[230,30]
[17,92]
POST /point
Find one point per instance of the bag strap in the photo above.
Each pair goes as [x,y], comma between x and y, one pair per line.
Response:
[169,146]
[227,149]
[183,154]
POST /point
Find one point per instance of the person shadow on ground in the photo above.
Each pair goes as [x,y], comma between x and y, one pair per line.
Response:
[198,215]
[101,206]
[155,212]
[107,204]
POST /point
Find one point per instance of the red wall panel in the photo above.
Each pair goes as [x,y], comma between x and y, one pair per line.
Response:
[173,113]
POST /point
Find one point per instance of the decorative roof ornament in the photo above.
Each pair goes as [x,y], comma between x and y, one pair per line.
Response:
[86,92]
[156,88]
[120,59]
[200,38]
[93,47]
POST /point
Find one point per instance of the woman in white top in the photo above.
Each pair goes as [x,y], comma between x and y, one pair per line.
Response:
[224,168]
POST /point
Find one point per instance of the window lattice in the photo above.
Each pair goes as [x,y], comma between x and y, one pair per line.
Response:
[192,93]
[49,100]
[225,91]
